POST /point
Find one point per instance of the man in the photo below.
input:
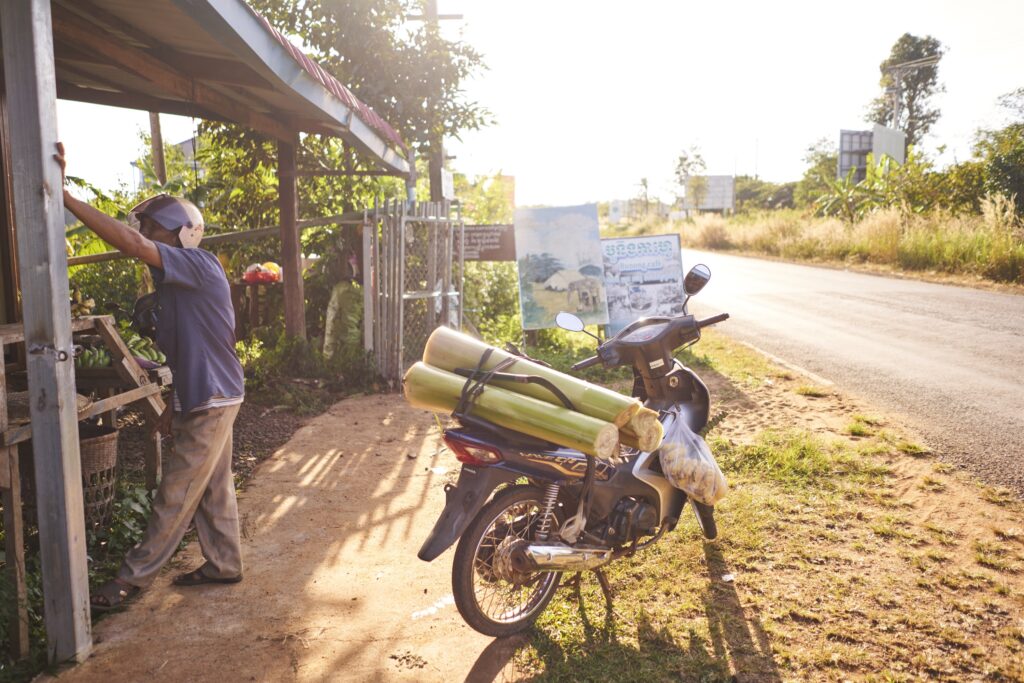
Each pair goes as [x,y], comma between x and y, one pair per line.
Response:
[195,329]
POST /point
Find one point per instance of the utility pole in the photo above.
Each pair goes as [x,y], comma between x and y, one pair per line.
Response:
[894,90]
[435,163]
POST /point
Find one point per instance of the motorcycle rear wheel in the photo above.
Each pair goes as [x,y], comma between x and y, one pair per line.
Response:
[492,599]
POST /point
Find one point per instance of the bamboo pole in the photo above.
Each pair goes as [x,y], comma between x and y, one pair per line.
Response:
[447,349]
[435,389]
[644,431]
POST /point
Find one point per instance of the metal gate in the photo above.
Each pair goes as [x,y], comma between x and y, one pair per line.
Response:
[412,253]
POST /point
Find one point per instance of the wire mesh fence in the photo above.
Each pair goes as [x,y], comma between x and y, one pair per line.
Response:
[415,271]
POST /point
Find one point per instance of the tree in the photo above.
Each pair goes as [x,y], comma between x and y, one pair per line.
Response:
[1003,155]
[412,77]
[644,196]
[822,160]
[908,90]
[1013,102]
[689,166]
[753,194]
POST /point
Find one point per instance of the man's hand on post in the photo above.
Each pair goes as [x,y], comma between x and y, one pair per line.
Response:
[163,423]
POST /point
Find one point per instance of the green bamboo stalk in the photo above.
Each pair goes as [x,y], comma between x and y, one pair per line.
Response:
[435,389]
[447,349]
[644,431]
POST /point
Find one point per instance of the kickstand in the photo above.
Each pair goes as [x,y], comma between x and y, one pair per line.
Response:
[574,582]
[606,587]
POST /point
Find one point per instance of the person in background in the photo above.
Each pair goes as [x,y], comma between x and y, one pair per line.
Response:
[195,325]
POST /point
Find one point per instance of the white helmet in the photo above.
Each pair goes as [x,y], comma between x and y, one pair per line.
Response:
[171,213]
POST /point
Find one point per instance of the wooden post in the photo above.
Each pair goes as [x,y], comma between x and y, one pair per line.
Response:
[42,263]
[14,547]
[16,612]
[291,251]
[156,139]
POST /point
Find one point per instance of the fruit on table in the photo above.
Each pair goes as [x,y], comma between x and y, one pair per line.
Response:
[80,304]
[262,272]
[92,358]
[143,347]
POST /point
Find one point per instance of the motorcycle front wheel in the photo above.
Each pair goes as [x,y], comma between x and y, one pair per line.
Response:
[491,596]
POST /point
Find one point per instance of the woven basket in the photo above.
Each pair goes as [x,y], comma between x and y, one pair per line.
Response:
[98,450]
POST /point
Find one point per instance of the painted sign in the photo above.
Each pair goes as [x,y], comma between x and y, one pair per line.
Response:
[489,243]
[644,277]
[561,268]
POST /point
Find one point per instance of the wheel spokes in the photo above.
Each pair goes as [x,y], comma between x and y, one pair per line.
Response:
[498,597]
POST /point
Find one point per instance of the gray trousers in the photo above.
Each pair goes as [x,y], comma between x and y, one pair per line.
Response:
[197,482]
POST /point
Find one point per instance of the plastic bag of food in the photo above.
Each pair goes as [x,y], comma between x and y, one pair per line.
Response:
[688,463]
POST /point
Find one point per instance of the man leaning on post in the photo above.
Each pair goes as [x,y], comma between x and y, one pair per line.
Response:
[195,325]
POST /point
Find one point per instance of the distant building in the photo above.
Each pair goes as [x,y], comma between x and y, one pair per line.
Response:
[856,145]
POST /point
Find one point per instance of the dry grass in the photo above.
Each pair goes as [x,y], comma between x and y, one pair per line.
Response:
[990,245]
[848,559]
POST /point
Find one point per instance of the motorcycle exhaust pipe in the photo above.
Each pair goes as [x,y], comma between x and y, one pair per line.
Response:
[558,558]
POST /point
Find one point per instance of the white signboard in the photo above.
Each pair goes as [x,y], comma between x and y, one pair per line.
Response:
[615,212]
[447,184]
[644,277]
[558,251]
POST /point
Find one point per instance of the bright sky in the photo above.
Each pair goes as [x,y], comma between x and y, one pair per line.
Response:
[591,96]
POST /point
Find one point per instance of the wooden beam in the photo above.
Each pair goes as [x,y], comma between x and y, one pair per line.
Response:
[118,400]
[39,209]
[72,29]
[335,172]
[69,91]
[123,362]
[291,249]
[349,218]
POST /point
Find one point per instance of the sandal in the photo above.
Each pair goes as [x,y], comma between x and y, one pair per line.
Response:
[112,595]
[196,577]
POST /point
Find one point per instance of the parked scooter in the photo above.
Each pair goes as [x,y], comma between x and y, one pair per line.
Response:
[556,510]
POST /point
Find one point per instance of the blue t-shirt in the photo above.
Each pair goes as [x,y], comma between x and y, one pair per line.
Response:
[196,326]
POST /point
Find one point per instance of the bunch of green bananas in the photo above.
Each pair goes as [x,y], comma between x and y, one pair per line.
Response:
[80,305]
[143,347]
[92,358]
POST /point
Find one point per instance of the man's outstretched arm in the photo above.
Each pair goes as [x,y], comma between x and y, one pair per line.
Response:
[114,232]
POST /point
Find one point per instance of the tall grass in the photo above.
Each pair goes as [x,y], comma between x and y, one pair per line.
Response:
[989,245]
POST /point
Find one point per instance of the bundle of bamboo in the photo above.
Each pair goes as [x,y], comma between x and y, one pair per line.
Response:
[434,389]
[448,350]
[600,420]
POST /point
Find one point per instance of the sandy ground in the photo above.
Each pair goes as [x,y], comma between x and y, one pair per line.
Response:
[333,589]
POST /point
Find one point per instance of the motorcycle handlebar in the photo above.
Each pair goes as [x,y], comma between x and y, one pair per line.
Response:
[721,317]
[586,363]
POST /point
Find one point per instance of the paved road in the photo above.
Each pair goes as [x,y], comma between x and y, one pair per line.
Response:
[950,359]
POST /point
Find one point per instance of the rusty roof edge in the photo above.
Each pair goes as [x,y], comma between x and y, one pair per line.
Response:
[269,52]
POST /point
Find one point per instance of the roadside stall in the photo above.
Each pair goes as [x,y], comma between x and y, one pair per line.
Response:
[213,59]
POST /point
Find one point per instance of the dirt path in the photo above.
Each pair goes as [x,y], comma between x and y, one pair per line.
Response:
[925,577]
[333,589]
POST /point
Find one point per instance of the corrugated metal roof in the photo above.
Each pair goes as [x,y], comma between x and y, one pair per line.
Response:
[216,59]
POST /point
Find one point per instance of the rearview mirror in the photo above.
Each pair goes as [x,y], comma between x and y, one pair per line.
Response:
[567,321]
[695,280]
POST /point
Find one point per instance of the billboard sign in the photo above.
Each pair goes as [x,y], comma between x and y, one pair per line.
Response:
[710,193]
[888,142]
[489,243]
[561,267]
[644,277]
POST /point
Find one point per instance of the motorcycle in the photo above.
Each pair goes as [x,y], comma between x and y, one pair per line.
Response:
[525,511]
